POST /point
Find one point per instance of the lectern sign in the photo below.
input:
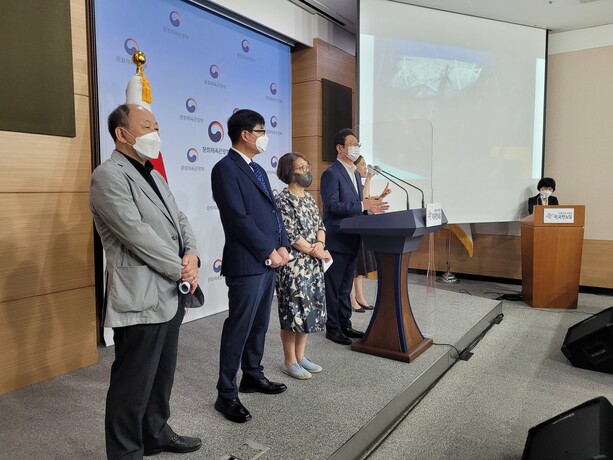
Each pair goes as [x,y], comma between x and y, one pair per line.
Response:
[559,216]
[434,214]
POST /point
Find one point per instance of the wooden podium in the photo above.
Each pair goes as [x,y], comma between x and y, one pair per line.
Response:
[392,332]
[551,249]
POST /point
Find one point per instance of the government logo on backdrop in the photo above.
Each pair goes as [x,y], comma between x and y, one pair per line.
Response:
[216,132]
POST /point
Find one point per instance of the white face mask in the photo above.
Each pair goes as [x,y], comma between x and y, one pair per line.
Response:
[261,143]
[147,146]
[545,194]
[353,152]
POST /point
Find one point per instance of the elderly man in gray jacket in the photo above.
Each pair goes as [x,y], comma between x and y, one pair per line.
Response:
[150,249]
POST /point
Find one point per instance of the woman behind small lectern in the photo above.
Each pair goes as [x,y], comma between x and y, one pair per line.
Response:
[546,187]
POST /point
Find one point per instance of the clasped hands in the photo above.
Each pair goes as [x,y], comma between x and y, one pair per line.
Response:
[278,257]
[190,271]
[319,252]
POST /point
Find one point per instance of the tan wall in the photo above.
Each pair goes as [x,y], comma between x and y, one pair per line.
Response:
[47,306]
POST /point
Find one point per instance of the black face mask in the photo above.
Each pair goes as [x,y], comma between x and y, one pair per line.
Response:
[304,180]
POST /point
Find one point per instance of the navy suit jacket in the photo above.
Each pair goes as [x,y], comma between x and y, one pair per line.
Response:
[247,215]
[340,199]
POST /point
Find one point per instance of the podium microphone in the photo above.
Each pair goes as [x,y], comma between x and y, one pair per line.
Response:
[384,174]
[378,169]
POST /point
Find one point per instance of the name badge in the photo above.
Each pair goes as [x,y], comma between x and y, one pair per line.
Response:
[434,214]
[559,216]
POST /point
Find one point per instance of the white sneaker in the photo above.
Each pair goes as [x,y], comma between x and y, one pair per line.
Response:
[296,370]
[309,366]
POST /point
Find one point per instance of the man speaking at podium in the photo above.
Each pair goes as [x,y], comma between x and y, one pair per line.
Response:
[341,195]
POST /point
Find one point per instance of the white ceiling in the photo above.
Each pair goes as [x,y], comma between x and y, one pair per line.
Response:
[555,15]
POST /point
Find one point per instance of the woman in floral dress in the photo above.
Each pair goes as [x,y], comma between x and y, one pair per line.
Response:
[300,283]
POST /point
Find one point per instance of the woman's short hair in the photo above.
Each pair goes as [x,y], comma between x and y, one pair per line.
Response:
[285,168]
[360,158]
[546,182]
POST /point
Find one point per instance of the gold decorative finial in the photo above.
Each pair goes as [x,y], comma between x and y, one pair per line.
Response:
[139,58]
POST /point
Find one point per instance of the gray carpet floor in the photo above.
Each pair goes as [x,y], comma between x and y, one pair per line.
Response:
[480,409]
[517,378]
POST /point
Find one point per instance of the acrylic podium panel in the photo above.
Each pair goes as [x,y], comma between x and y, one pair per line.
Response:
[551,253]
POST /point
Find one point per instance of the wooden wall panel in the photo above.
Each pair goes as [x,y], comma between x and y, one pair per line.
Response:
[304,64]
[499,256]
[306,109]
[46,242]
[47,299]
[334,64]
[45,336]
[33,163]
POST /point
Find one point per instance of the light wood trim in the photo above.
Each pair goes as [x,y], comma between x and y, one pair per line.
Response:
[46,245]
[78,28]
[41,163]
[45,336]
[306,100]
[499,256]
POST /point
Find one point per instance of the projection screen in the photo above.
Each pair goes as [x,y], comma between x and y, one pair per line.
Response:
[454,105]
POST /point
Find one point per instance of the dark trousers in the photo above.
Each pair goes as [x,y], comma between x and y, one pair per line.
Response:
[244,331]
[339,280]
[137,403]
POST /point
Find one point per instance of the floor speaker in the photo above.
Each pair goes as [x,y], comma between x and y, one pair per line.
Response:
[581,433]
[589,344]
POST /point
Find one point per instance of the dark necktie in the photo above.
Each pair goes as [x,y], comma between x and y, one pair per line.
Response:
[260,177]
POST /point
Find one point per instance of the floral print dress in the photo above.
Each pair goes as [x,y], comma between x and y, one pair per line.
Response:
[300,283]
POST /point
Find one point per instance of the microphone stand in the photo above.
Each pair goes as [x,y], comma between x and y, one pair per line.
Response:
[380,171]
[448,277]
[410,185]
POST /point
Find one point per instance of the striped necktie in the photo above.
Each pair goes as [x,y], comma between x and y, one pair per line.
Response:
[260,177]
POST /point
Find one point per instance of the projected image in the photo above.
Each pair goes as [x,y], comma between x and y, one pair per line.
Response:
[431,71]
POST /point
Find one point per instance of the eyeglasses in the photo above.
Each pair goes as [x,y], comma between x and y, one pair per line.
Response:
[304,168]
[353,145]
[261,131]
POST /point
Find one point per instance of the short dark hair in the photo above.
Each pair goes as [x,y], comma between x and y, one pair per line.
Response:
[243,120]
[546,182]
[285,168]
[360,158]
[118,117]
[339,138]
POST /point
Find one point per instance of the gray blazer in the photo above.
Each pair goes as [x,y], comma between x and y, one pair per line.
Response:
[142,240]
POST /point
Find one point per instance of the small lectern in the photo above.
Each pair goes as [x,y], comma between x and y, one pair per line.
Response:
[551,249]
[392,332]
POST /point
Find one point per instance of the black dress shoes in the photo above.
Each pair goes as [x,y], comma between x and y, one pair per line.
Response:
[233,410]
[263,385]
[338,337]
[178,444]
[350,332]
[366,307]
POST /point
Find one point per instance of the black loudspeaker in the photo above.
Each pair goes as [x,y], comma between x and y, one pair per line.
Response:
[589,344]
[581,433]
[335,115]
